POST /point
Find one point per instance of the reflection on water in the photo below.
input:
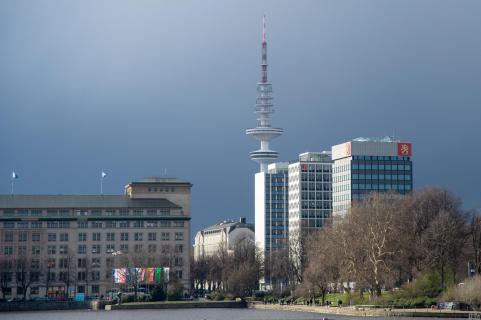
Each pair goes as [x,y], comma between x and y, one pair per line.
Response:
[182,314]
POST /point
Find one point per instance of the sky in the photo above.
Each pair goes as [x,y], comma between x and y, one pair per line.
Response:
[150,88]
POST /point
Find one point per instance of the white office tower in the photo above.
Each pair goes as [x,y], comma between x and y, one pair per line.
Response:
[310,197]
[271,218]
[264,107]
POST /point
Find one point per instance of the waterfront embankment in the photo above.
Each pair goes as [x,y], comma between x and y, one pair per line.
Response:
[44,305]
[365,311]
[178,305]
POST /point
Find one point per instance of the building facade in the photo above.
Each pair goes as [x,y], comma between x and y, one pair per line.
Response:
[68,244]
[366,165]
[310,196]
[271,215]
[223,235]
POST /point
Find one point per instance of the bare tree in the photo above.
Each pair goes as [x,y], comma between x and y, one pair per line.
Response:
[27,271]
[6,272]
[475,240]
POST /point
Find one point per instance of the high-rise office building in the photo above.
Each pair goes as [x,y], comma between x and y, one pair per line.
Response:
[271,214]
[310,194]
[72,243]
[366,165]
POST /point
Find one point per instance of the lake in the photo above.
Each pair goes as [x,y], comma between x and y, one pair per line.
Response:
[180,314]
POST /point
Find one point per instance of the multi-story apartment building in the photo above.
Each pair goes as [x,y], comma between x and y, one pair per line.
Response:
[366,165]
[67,244]
[224,235]
[271,214]
[310,195]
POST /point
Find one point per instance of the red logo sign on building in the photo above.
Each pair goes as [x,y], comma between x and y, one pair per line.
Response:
[404,149]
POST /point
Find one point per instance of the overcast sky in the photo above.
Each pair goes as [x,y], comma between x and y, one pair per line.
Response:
[139,87]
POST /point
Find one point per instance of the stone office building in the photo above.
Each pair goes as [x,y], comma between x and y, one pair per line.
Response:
[68,244]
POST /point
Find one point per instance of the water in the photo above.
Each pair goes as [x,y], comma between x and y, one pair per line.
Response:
[181,314]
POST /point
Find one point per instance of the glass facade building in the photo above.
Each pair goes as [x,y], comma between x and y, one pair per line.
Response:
[363,165]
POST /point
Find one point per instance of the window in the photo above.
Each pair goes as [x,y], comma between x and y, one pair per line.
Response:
[82,236]
[152,248]
[124,248]
[82,224]
[64,237]
[7,251]
[36,224]
[9,225]
[95,277]
[109,262]
[51,263]
[35,237]
[95,288]
[81,276]
[138,248]
[52,224]
[64,224]
[82,249]
[111,224]
[22,236]
[95,262]
[8,237]
[178,224]
[110,248]
[124,224]
[22,250]
[179,236]
[178,262]
[64,263]
[96,236]
[138,236]
[152,236]
[124,236]
[63,249]
[52,250]
[81,262]
[96,224]
[110,236]
[35,249]
[165,236]
[178,274]
[138,224]
[52,237]
[179,248]
[22,225]
[96,249]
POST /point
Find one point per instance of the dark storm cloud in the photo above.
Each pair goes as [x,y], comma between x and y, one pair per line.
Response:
[137,87]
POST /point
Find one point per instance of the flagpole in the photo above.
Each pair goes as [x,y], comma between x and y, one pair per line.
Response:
[13,180]
[101,185]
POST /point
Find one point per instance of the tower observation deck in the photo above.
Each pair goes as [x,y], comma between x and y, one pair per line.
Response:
[264,107]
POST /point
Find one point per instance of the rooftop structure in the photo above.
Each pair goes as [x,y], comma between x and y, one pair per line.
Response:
[264,107]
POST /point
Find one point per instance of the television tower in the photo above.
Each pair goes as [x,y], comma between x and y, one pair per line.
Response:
[264,107]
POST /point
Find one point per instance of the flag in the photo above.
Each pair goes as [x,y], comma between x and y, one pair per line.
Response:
[14,175]
[104,174]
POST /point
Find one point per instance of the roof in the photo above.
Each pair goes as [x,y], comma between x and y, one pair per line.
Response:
[161,180]
[80,201]
[229,224]
[376,139]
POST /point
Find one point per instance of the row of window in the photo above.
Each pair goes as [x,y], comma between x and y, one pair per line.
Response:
[391,167]
[368,186]
[85,212]
[94,224]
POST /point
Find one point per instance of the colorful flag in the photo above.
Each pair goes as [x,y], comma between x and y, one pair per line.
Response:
[14,175]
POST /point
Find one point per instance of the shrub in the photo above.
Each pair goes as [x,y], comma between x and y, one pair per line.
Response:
[174,292]
[469,292]
[158,294]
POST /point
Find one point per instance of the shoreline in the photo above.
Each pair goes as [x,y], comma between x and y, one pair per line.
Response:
[365,312]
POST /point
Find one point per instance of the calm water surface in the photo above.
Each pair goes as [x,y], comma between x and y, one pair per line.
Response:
[182,314]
